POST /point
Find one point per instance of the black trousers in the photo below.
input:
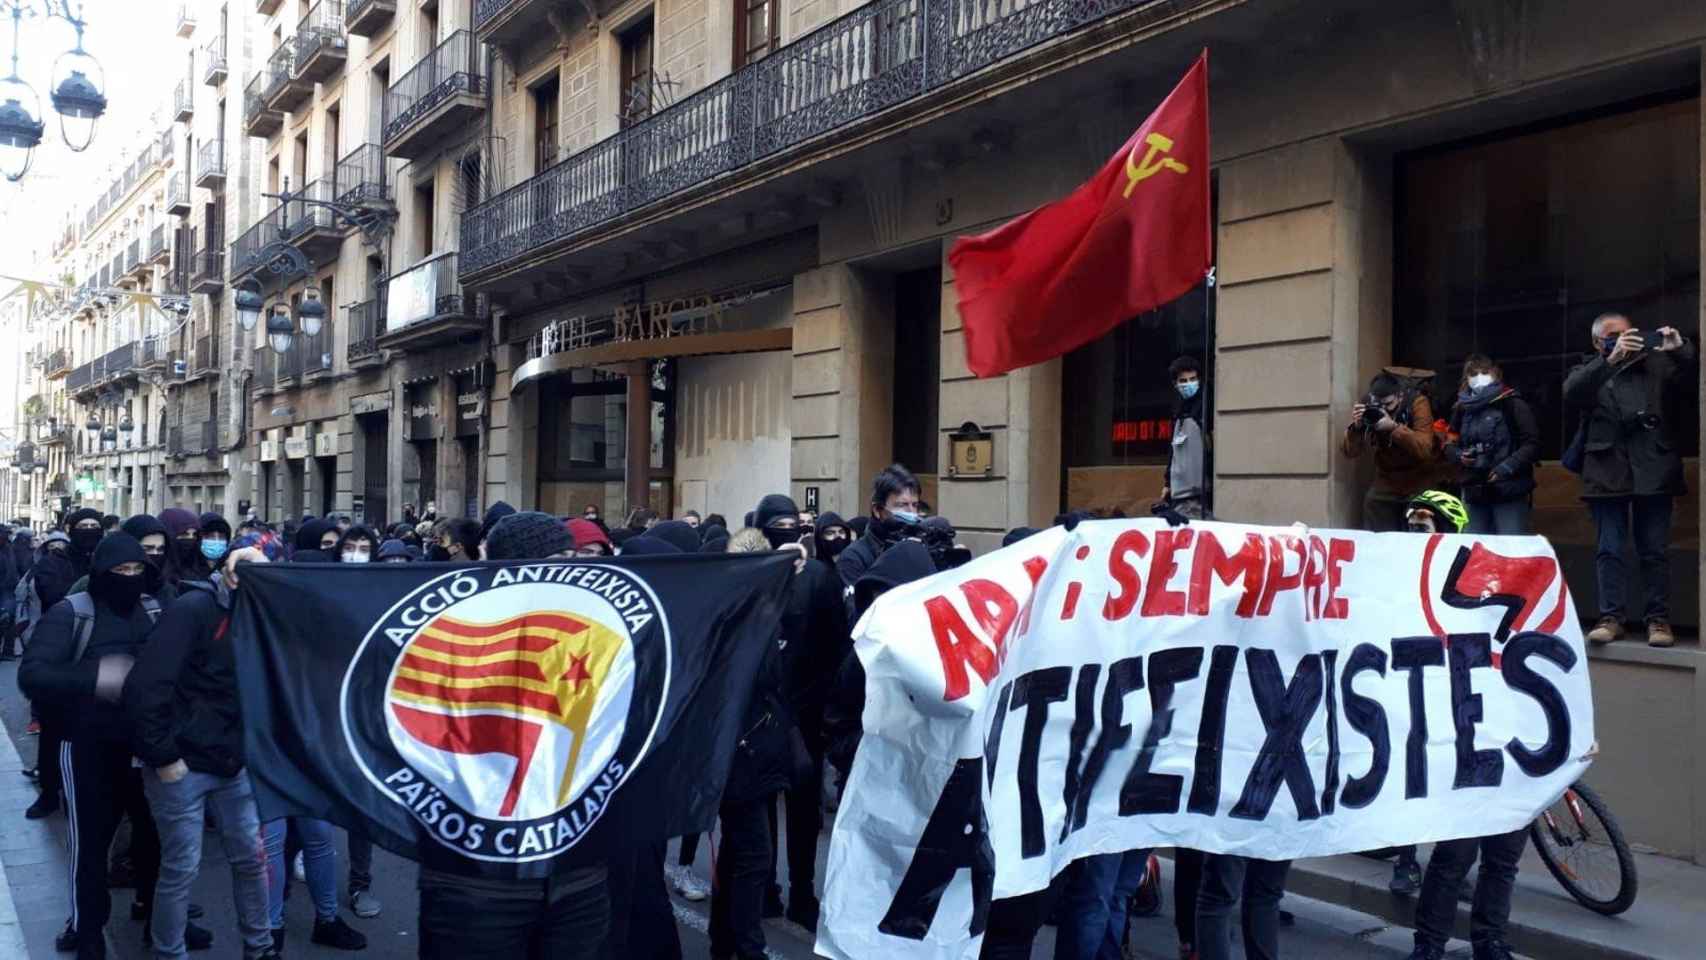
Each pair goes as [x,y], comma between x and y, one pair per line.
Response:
[743,874]
[804,808]
[1187,882]
[471,919]
[1226,881]
[1436,907]
[642,919]
[1014,923]
[48,754]
[101,787]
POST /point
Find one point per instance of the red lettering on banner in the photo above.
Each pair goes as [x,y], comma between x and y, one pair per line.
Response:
[1160,601]
[1314,578]
[1277,580]
[958,648]
[1249,563]
[994,609]
[1119,605]
[1034,568]
[1339,553]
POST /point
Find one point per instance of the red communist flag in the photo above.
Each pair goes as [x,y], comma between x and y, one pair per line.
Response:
[1135,236]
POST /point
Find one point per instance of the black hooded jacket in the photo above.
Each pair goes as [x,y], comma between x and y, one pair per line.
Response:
[79,556]
[308,535]
[843,720]
[182,698]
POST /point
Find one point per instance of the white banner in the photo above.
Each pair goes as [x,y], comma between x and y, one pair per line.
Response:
[1271,692]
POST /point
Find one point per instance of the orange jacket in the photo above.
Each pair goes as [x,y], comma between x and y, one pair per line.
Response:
[1407,460]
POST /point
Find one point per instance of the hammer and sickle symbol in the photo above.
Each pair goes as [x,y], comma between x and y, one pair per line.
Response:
[1152,162]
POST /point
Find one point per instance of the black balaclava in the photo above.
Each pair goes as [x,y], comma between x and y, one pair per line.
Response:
[84,541]
[830,549]
[771,508]
[116,590]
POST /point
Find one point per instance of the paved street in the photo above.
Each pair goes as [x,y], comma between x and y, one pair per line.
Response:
[32,854]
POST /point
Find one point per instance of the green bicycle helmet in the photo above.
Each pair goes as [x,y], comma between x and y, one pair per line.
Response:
[1444,506]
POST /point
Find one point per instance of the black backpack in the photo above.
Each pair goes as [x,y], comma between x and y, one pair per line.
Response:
[83,608]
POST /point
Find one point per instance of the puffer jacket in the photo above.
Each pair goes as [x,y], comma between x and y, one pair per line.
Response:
[1631,447]
[1496,427]
[182,698]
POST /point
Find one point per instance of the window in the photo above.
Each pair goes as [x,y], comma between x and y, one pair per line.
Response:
[586,411]
[636,86]
[756,32]
[423,217]
[379,80]
[545,123]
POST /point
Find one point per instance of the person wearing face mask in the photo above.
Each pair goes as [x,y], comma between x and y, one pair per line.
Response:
[184,551]
[1189,467]
[162,573]
[358,545]
[832,536]
[84,529]
[181,704]
[215,541]
[1495,442]
[894,517]
[80,656]
[456,540]
[1396,428]
[316,541]
[1630,462]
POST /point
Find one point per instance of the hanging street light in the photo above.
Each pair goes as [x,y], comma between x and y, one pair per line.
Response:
[125,425]
[250,303]
[281,332]
[78,94]
[93,424]
[312,313]
[20,116]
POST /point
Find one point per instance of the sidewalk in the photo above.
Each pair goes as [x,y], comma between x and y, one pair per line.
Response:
[23,843]
[1666,921]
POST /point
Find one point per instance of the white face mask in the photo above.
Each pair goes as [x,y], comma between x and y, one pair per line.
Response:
[1480,380]
[354,557]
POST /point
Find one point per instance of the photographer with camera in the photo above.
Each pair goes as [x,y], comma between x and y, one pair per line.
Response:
[1494,442]
[1395,423]
[1629,463]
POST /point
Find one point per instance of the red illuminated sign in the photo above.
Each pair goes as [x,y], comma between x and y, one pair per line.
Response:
[1143,431]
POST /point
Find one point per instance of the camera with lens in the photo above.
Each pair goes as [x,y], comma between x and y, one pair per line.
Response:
[1372,411]
[1478,458]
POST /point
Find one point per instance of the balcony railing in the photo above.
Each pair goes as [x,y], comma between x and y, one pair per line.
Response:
[152,350]
[114,363]
[186,20]
[487,10]
[319,33]
[361,176]
[879,55]
[207,268]
[424,292]
[265,368]
[213,55]
[245,252]
[206,355]
[366,320]
[210,162]
[157,242]
[281,66]
[301,217]
[455,66]
[258,118]
[314,353]
[56,362]
[133,255]
[167,146]
[183,100]
[178,195]
[365,17]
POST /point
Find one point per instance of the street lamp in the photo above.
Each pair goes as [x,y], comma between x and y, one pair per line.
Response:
[312,313]
[250,303]
[93,424]
[280,330]
[20,117]
[125,425]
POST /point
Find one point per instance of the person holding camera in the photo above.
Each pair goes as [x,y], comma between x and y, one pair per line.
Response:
[1394,424]
[1494,442]
[1629,463]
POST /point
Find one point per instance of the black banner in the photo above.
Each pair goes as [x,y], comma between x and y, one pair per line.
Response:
[506,719]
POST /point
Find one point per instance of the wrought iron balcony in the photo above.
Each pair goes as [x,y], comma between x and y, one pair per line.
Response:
[205,359]
[210,165]
[312,227]
[361,176]
[508,22]
[877,56]
[151,352]
[133,256]
[364,18]
[314,353]
[246,250]
[259,119]
[266,369]
[321,45]
[186,21]
[285,90]
[57,364]
[115,364]
[267,8]
[213,55]
[183,101]
[425,305]
[366,320]
[442,93]
[167,148]
[178,195]
[159,250]
[207,268]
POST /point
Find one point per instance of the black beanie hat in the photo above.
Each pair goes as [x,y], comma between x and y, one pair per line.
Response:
[648,547]
[214,523]
[773,506]
[114,549]
[677,534]
[494,513]
[142,525]
[528,535]
[309,534]
[77,516]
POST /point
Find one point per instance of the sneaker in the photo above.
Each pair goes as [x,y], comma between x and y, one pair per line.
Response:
[1606,630]
[338,935]
[364,904]
[1659,634]
[1406,878]
[773,903]
[270,953]
[32,729]
[47,803]
[33,773]
[299,871]
[195,937]
[66,942]
[803,910]
[1427,953]
[1490,950]
[686,883]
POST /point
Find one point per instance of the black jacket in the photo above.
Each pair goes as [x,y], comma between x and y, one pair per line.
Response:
[1497,429]
[1631,449]
[814,631]
[182,698]
[66,688]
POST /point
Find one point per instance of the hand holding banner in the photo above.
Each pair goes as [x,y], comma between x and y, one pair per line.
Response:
[1268,692]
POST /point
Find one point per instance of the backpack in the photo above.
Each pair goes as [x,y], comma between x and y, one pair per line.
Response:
[83,608]
[28,606]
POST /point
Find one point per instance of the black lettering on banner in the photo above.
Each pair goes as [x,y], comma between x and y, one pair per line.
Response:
[998,722]
[1475,768]
[1414,654]
[1330,786]
[1143,791]
[1286,712]
[1211,732]
[1520,676]
[1083,721]
[1033,693]
[955,838]
[1367,717]
[1124,676]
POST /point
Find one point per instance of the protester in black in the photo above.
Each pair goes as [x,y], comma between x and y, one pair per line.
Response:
[455,540]
[894,517]
[84,528]
[50,578]
[80,658]
[832,536]
[161,576]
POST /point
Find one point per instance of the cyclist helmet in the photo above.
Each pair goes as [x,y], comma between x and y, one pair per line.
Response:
[1445,510]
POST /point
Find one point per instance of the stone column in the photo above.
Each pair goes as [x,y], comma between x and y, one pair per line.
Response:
[841,417]
[638,459]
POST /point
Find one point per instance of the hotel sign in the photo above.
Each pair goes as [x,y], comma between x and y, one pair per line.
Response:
[640,321]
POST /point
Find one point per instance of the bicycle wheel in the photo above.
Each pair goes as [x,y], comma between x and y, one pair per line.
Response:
[1581,844]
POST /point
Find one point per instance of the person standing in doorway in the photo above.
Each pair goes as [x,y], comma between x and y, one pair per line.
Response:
[1394,423]
[1494,442]
[1188,465]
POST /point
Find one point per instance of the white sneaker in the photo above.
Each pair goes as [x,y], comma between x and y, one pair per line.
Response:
[364,904]
[298,870]
[687,883]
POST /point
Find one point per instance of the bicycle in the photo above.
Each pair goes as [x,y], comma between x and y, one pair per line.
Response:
[1579,841]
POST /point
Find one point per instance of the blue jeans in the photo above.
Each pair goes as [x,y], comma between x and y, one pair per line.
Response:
[319,859]
[180,811]
[1509,518]
[1098,890]
[1652,537]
